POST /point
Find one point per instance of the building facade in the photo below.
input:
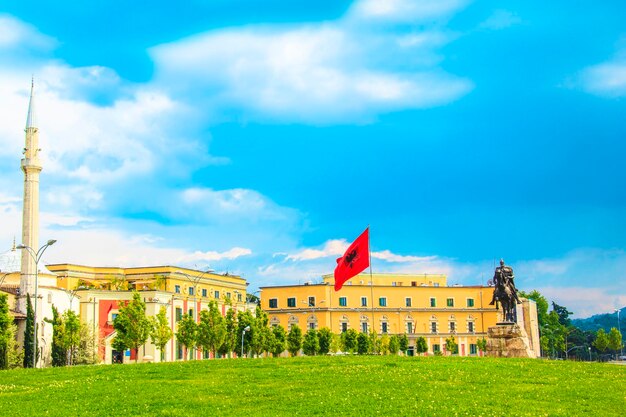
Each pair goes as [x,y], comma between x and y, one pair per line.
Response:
[101,291]
[418,305]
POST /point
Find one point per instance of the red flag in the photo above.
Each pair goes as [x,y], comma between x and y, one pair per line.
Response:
[354,261]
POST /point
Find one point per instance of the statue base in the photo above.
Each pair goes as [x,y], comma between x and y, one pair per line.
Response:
[508,340]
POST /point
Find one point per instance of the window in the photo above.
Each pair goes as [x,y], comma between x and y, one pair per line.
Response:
[450,302]
[436,284]
[228,295]
[49,298]
[436,348]
[291,302]
[312,326]
[413,283]
[433,327]
[363,301]
[343,302]
[393,284]
[113,316]
[217,294]
[470,302]
[273,303]
[433,302]
[191,312]
[311,301]
[409,327]
[344,327]
[452,327]
[177,289]
[179,350]
[364,327]
[384,327]
[204,292]
[408,302]
[470,327]
[238,296]
[179,313]
[382,301]
[191,290]
[473,349]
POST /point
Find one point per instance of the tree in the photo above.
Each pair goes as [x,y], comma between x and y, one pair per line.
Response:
[542,305]
[212,329]
[294,340]
[615,340]
[481,344]
[28,334]
[602,341]
[362,343]
[421,346]
[187,333]
[348,340]
[280,343]
[87,352]
[59,352]
[563,314]
[311,343]
[394,344]
[325,337]
[6,334]
[403,343]
[251,337]
[383,345]
[335,343]
[161,332]
[373,342]
[132,326]
[452,346]
[71,335]
[230,341]
[160,282]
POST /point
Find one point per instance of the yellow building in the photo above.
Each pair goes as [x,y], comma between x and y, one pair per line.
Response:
[100,291]
[412,304]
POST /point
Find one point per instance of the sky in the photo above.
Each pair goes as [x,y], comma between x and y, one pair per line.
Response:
[262,137]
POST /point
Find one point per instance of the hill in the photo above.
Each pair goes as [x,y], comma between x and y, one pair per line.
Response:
[338,386]
[600,321]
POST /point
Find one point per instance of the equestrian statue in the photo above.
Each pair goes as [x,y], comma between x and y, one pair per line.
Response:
[505,292]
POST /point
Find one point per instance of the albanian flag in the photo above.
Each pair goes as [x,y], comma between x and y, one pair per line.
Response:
[354,261]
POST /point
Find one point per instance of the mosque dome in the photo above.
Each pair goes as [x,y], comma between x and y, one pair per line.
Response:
[11,260]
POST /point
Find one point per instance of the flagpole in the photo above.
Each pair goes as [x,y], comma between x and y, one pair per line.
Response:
[369,252]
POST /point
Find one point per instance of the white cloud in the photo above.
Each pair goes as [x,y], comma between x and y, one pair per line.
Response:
[585,301]
[317,73]
[209,256]
[330,248]
[404,10]
[16,34]
[501,19]
[386,255]
[607,79]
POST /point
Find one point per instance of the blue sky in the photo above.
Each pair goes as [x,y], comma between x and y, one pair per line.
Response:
[260,137]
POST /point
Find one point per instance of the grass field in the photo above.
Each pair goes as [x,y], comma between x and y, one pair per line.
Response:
[351,386]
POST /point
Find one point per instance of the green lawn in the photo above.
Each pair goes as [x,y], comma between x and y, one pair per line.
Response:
[354,386]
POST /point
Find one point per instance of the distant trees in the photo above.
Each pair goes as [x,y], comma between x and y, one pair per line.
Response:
[325,337]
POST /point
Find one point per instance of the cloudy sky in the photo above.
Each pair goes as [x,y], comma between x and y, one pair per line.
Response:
[260,137]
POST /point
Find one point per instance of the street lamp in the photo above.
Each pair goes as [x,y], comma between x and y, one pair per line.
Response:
[36,257]
[245,329]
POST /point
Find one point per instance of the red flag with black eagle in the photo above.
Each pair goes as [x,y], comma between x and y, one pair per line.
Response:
[354,261]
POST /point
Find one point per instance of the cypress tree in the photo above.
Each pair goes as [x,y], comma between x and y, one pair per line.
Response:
[59,352]
[28,334]
[6,321]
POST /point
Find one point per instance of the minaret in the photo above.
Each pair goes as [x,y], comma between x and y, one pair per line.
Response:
[31,165]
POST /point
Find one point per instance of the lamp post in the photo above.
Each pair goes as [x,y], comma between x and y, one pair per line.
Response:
[619,328]
[245,329]
[36,257]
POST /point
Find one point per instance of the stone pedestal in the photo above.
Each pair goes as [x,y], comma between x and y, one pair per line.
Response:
[508,340]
